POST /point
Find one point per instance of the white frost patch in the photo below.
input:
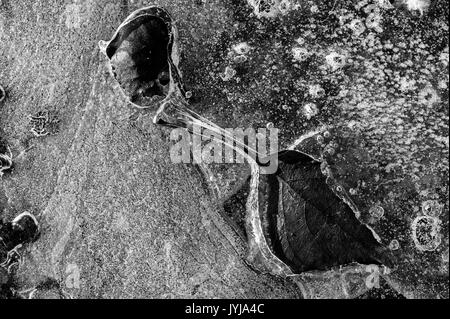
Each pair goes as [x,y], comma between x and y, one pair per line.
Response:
[229,74]
[314,9]
[300,54]
[316,91]
[242,48]
[417,5]
[310,110]
[335,60]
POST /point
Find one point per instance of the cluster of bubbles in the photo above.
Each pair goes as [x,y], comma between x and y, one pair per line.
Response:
[426,228]
[272,8]
[376,211]
[237,55]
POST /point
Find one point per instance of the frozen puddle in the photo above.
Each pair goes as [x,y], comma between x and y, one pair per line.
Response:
[298,221]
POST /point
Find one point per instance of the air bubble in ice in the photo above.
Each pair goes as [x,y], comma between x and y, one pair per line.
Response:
[357,26]
[425,233]
[320,139]
[394,245]
[376,211]
[432,208]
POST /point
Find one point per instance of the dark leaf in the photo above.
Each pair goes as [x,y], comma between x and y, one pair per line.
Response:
[307,225]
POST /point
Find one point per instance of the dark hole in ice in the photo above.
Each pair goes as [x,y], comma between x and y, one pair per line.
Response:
[139,59]
[164,78]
